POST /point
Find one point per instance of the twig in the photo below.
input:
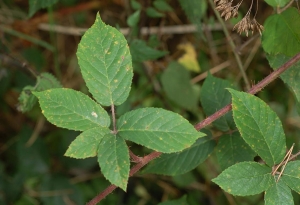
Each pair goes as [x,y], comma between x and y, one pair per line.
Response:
[145,160]
[286,7]
[237,57]
[181,29]
[286,161]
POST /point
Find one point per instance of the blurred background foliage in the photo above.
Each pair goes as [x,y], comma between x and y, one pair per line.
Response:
[170,65]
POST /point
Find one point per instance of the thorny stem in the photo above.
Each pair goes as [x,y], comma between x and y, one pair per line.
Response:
[237,57]
[113,113]
[145,160]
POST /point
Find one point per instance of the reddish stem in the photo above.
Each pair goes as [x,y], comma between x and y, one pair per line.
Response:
[256,88]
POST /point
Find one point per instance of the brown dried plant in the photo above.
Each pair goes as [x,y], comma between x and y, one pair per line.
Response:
[227,10]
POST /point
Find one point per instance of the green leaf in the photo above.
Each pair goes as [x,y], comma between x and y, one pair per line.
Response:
[157,129]
[213,97]
[259,126]
[133,19]
[105,63]
[152,12]
[181,201]
[113,158]
[26,99]
[291,76]
[35,5]
[176,83]
[86,144]
[232,149]
[291,175]
[47,81]
[281,34]
[184,161]
[277,3]
[279,194]
[71,109]
[245,178]
[162,5]
[141,52]
[135,5]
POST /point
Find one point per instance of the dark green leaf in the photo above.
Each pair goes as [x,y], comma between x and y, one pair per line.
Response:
[181,201]
[245,178]
[213,97]
[141,52]
[279,194]
[157,129]
[291,175]
[162,5]
[181,162]
[35,5]
[259,126]
[232,149]
[113,158]
[281,35]
[135,5]
[86,144]
[152,12]
[291,76]
[177,85]
[105,63]
[71,109]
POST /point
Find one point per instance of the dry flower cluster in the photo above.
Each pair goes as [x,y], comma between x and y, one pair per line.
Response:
[228,11]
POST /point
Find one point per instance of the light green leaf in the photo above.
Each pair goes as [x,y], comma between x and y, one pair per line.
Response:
[278,194]
[157,129]
[105,63]
[232,149]
[113,158]
[71,109]
[281,35]
[291,175]
[184,161]
[245,178]
[47,81]
[86,144]
[35,5]
[259,126]
[133,19]
[181,201]
[291,76]
[277,3]
[162,5]
[176,79]
[141,52]
[152,12]
[213,97]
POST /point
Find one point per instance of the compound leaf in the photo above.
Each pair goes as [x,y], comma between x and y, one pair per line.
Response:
[71,109]
[259,126]
[175,80]
[232,149]
[86,144]
[157,129]
[245,178]
[105,63]
[184,161]
[291,175]
[214,96]
[113,158]
[281,35]
[279,194]
[291,76]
